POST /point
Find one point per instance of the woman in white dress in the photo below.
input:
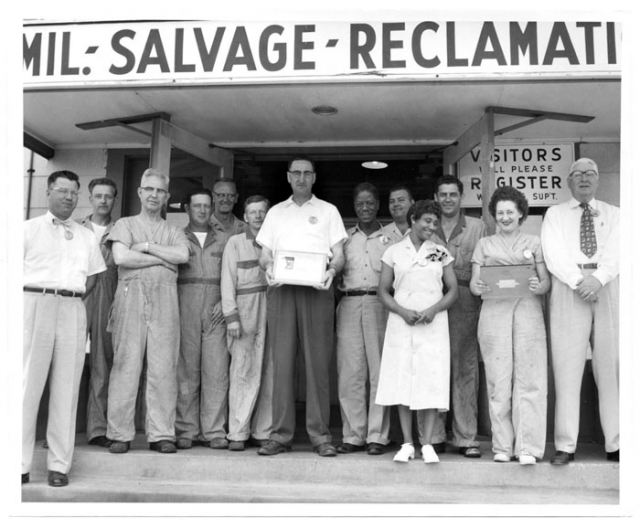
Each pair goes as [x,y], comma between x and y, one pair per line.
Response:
[511,335]
[414,372]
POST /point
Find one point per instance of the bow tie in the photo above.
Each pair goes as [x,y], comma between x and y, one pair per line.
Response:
[66,224]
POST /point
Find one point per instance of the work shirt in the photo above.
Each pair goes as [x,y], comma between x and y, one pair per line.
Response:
[203,266]
[363,256]
[462,241]
[241,274]
[132,230]
[52,261]
[237,227]
[561,241]
[105,248]
[315,226]
[391,230]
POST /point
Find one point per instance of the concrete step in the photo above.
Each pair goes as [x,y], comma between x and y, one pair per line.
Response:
[205,475]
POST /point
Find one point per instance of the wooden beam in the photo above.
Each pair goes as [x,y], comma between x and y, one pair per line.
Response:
[523,112]
[91,125]
[37,146]
[467,141]
[520,125]
[199,148]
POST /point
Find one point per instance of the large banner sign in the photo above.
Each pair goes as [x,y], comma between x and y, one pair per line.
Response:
[209,52]
[538,171]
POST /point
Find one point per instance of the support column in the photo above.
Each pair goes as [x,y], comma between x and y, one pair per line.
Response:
[160,157]
[487,166]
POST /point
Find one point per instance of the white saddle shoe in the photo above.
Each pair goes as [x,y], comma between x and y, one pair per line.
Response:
[429,455]
[406,453]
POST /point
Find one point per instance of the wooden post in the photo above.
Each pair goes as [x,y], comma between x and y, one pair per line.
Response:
[487,167]
[160,157]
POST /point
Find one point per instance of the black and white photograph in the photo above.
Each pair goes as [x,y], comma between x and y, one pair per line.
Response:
[293,263]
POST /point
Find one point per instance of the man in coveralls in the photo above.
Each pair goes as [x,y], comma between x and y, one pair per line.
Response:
[225,197]
[361,324]
[460,234]
[203,366]
[244,304]
[61,260]
[144,319]
[580,240]
[400,200]
[102,197]
[301,314]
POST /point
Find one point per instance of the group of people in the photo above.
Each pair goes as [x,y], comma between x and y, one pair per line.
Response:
[196,322]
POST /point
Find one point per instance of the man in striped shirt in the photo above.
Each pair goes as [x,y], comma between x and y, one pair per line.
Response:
[244,305]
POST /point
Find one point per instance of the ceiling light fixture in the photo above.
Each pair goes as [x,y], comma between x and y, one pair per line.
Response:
[374,165]
[324,110]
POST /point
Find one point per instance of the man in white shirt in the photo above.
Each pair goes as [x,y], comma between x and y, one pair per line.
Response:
[102,197]
[301,314]
[580,240]
[400,200]
[61,260]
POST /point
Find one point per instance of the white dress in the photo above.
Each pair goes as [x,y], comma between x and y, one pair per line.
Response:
[415,359]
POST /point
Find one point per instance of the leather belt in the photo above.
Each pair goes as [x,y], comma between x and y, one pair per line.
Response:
[360,293]
[590,265]
[63,293]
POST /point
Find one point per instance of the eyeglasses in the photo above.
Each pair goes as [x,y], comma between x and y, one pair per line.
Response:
[228,196]
[161,192]
[66,192]
[306,174]
[588,174]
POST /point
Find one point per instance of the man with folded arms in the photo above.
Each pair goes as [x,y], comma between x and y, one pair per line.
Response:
[301,314]
[144,319]
[102,197]
[61,260]
[203,377]
[580,240]
[360,327]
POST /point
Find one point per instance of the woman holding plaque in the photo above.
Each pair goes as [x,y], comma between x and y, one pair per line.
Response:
[511,331]
[414,371]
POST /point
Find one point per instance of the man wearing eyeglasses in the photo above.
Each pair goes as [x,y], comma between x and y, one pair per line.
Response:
[61,261]
[580,240]
[301,314]
[144,319]
[102,197]
[225,197]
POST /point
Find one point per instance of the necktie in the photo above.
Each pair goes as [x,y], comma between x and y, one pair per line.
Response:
[588,243]
[66,225]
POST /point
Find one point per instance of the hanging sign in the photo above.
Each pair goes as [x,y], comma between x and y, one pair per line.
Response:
[216,52]
[538,171]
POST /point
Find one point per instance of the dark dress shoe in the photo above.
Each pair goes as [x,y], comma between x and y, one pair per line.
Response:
[439,448]
[562,458]
[184,443]
[57,479]
[325,450]
[118,447]
[219,443]
[100,441]
[348,448]
[614,456]
[273,448]
[254,442]
[25,478]
[470,452]
[375,449]
[236,445]
[163,446]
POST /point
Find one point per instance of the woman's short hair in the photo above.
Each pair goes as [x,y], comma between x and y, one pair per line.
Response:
[422,207]
[509,194]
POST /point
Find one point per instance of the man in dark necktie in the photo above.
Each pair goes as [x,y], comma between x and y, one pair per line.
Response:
[580,239]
